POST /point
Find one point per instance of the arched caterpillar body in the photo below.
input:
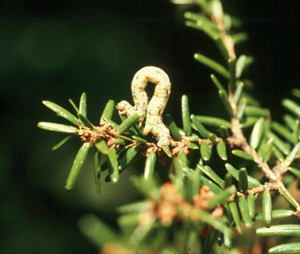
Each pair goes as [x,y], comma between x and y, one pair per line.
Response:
[154,110]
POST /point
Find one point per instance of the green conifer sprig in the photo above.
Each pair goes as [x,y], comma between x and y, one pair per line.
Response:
[200,205]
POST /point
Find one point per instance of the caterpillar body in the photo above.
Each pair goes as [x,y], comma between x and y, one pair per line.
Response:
[154,110]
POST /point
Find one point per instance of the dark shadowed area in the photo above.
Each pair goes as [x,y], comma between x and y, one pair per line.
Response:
[55,50]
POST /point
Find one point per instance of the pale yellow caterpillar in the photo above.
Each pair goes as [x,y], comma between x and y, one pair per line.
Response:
[154,110]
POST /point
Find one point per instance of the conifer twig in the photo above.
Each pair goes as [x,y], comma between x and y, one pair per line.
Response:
[238,138]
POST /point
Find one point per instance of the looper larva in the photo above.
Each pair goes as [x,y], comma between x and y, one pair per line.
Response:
[154,110]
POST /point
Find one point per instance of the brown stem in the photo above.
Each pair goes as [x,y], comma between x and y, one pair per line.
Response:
[238,138]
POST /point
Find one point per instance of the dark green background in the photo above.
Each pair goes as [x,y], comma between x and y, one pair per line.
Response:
[55,50]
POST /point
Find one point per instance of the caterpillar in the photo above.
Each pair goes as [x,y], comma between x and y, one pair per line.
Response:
[154,110]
